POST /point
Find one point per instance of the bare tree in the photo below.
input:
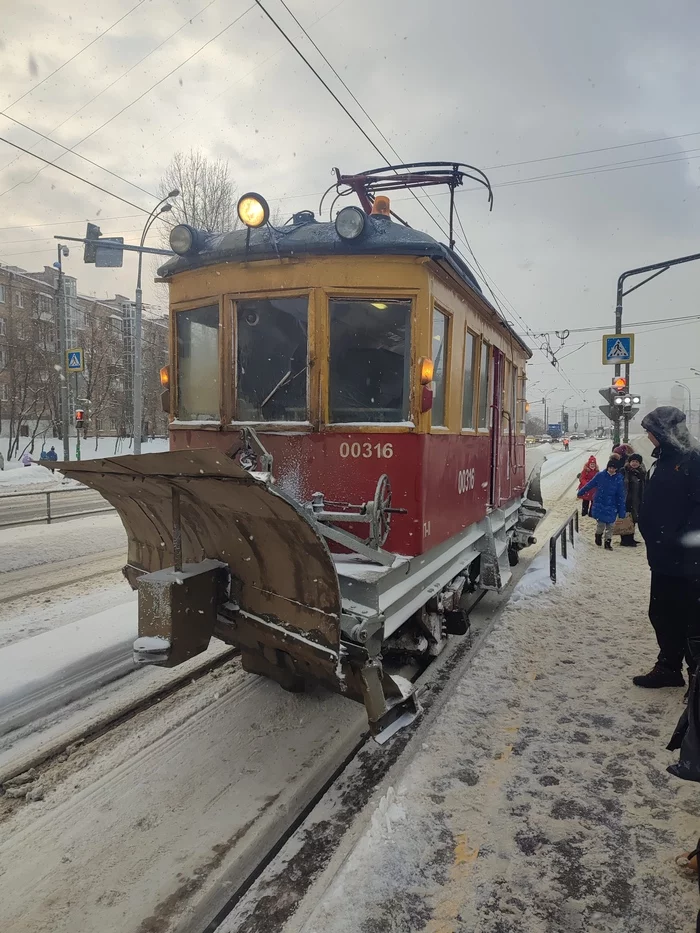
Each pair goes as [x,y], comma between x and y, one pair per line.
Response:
[207,198]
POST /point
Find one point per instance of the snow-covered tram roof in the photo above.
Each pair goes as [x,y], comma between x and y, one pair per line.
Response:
[309,237]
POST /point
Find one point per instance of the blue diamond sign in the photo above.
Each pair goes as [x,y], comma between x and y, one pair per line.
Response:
[618,348]
[74,360]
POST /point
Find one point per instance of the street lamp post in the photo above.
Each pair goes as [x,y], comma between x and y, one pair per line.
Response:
[62,349]
[656,268]
[690,405]
[137,383]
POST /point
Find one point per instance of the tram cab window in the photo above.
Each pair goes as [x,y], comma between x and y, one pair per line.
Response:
[272,339]
[198,364]
[440,324]
[370,361]
[471,367]
[484,386]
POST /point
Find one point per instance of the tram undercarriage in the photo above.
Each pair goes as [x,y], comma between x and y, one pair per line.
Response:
[218,550]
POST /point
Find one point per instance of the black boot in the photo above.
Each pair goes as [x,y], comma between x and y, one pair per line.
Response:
[659,676]
[608,544]
[627,541]
[599,540]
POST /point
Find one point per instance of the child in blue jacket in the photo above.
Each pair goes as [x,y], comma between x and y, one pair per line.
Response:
[609,501]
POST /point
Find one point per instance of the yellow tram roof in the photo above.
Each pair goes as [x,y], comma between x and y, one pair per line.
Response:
[306,236]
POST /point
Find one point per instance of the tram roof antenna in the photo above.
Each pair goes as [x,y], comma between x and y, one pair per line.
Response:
[396,177]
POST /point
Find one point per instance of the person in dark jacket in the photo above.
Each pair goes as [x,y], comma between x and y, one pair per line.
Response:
[609,502]
[52,455]
[669,520]
[635,476]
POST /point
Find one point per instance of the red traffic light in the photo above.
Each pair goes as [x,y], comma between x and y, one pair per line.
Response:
[79,414]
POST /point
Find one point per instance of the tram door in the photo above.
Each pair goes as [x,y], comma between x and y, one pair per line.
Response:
[496,438]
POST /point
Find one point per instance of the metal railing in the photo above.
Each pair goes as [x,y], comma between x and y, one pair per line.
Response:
[48,515]
[570,525]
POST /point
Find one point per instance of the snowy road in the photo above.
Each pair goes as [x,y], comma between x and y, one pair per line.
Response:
[153,825]
[27,509]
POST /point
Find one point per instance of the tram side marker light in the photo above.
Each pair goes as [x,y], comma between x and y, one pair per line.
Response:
[165,376]
[427,370]
[350,222]
[253,210]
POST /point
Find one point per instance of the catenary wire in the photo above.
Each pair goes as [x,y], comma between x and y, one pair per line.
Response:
[127,106]
[104,90]
[79,52]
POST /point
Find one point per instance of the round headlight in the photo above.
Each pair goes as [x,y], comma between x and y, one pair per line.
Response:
[182,239]
[253,210]
[350,222]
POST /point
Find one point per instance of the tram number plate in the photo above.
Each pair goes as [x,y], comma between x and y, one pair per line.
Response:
[366,451]
[465,480]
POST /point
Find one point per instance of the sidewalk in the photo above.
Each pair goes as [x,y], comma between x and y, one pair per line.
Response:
[537,800]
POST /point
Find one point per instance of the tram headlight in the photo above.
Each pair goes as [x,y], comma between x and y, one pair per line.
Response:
[182,239]
[253,210]
[350,222]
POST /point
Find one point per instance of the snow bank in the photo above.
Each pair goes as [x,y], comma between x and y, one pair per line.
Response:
[92,448]
[43,673]
[20,479]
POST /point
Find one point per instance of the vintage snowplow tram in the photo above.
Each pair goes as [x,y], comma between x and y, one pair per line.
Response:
[347,449]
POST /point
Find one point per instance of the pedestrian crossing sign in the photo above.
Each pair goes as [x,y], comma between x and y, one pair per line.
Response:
[618,348]
[74,360]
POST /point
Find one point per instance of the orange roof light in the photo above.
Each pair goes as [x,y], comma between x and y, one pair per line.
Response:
[382,206]
[427,369]
[619,383]
[165,376]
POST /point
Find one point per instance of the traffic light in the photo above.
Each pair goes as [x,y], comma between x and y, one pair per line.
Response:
[93,232]
[79,417]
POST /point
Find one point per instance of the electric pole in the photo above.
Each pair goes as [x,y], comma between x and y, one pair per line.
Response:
[64,400]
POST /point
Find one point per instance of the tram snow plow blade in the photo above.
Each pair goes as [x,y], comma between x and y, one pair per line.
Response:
[532,509]
[216,550]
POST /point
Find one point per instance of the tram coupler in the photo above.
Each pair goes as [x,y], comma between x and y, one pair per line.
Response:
[177,611]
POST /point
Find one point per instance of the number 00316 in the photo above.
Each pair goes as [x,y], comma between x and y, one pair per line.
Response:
[366,451]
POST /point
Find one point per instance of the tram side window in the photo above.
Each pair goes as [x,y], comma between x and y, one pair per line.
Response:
[198,364]
[272,359]
[471,365]
[370,361]
[484,385]
[440,325]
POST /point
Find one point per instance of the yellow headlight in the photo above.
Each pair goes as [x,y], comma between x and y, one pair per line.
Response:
[253,210]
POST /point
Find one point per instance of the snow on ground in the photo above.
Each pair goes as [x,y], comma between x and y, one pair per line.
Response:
[34,545]
[16,477]
[537,798]
[54,609]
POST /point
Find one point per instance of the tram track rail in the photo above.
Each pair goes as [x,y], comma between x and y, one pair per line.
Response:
[83,735]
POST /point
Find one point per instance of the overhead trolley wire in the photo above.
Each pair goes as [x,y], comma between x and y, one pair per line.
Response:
[79,52]
[73,175]
[117,79]
[127,106]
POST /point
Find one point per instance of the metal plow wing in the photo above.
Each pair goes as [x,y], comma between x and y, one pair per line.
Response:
[214,549]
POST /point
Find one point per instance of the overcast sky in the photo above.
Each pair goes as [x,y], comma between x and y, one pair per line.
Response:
[487,83]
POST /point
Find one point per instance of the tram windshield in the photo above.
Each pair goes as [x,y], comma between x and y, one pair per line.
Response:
[272,359]
[198,364]
[369,361]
